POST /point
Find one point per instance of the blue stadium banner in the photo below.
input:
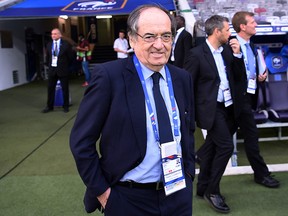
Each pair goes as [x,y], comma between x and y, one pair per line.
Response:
[54,8]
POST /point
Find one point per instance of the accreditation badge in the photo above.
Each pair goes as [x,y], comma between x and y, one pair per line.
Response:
[251,86]
[54,61]
[227,97]
[172,165]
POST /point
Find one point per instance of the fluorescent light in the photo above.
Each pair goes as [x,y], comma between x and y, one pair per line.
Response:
[104,17]
[63,16]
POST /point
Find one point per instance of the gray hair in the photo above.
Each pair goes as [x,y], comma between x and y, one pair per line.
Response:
[214,22]
[132,22]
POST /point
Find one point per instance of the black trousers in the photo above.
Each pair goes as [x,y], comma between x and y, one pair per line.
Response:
[216,151]
[52,82]
[125,201]
[248,127]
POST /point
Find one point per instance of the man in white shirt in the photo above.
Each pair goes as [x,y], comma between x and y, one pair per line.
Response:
[59,55]
[183,42]
[121,45]
[212,65]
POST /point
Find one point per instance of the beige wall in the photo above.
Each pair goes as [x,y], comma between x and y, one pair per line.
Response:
[105,33]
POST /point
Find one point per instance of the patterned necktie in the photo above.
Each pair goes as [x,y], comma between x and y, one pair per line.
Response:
[250,61]
[164,125]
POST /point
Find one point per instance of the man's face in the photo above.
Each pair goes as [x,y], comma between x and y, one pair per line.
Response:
[153,55]
[121,35]
[224,34]
[55,34]
[250,27]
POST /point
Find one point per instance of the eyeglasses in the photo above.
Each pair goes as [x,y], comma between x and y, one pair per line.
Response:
[150,38]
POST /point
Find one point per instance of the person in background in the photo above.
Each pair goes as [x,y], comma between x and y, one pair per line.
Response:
[182,43]
[59,55]
[211,65]
[142,110]
[121,45]
[248,85]
[84,55]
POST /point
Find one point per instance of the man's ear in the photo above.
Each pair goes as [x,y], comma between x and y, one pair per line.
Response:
[242,27]
[132,41]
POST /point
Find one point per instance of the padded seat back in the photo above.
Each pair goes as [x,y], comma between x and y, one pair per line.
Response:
[278,93]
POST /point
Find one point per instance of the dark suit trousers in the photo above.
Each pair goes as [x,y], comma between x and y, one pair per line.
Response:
[216,151]
[125,201]
[249,130]
[52,81]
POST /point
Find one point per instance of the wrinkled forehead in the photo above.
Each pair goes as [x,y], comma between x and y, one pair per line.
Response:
[152,17]
[55,32]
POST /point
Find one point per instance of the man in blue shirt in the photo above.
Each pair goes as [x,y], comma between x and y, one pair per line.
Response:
[139,165]
[247,87]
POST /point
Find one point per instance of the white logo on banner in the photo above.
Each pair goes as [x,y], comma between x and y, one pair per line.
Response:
[94,4]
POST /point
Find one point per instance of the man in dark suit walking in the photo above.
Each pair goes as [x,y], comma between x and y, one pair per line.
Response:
[211,65]
[59,55]
[142,108]
[182,43]
[247,86]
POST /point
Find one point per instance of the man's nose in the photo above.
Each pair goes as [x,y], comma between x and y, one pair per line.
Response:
[158,42]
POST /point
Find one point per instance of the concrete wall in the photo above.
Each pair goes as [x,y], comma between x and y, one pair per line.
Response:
[14,59]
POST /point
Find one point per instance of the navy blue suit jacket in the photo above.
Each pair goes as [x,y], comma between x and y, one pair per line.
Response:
[113,109]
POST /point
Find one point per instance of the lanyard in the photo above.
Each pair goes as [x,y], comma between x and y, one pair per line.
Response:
[150,110]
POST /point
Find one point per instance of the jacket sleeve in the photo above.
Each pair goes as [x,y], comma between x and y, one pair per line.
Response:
[86,131]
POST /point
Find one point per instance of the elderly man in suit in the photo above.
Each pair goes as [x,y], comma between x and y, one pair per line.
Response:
[182,43]
[211,65]
[59,55]
[142,110]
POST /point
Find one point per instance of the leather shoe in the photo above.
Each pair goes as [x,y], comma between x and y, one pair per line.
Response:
[201,196]
[268,181]
[47,109]
[217,203]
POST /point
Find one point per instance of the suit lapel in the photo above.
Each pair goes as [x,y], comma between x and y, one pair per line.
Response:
[178,94]
[136,104]
[61,46]
[209,57]
[256,54]
[179,39]
[226,61]
[176,88]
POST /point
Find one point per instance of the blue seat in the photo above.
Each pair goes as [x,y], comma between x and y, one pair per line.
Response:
[278,104]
